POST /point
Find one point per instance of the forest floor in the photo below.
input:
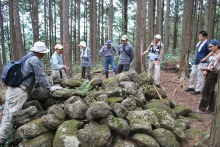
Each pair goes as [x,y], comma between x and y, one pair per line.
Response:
[175,91]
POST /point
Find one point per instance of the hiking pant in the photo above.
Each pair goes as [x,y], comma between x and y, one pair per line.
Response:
[154,70]
[196,74]
[58,74]
[109,61]
[123,67]
[15,99]
[208,93]
[86,70]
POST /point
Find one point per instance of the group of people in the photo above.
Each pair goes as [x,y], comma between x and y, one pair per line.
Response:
[17,96]
[204,68]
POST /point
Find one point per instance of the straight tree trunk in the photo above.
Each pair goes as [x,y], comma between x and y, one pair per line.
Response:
[201,16]
[125,16]
[209,18]
[215,128]
[55,20]
[3,57]
[34,19]
[78,40]
[98,25]
[45,23]
[51,27]
[93,30]
[66,46]
[76,55]
[195,26]
[167,27]
[141,33]
[159,26]
[102,29]
[111,16]
[175,29]
[151,19]
[186,38]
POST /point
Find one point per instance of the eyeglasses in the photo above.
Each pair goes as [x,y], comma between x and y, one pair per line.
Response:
[210,46]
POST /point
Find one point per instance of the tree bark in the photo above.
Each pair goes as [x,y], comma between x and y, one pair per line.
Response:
[111,15]
[175,29]
[201,16]
[167,27]
[78,40]
[125,17]
[66,46]
[3,57]
[215,128]
[93,30]
[141,33]
[209,18]
[34,19]
[151,18]
[186,38]
[159,26]
[102,29]
[51,27]
[195,26]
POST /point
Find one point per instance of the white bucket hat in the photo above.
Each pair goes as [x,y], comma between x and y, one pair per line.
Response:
[82,43]
[157,36]
[58,46]
[124,37]
[39,47]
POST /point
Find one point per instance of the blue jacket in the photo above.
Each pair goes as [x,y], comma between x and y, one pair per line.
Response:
[56,61]
[202,54]
[126,55]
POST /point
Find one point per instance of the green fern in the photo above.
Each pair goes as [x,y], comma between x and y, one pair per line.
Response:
[87,86]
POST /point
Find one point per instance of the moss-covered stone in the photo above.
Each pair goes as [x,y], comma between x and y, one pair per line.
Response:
[113,100]
[182,123]
[72,82]
[62,94]
[150,92]
[181,110]
[146,78]
[196,116]
[193,133]
[68,129]
[144,140]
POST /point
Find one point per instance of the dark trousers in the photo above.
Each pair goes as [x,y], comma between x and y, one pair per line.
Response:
[208,93]
[123,67]
[86,70]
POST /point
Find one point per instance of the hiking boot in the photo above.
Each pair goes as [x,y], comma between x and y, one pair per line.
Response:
[106,75]
[190,89]
[195,92]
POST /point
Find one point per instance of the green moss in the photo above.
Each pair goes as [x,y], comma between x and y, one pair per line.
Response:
[113,100]
[109,80]
[196,116]
[117,121]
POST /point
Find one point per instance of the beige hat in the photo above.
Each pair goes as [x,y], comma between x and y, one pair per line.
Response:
[58,46]
[157,36]
[39,47]
[124,37]
[82,43]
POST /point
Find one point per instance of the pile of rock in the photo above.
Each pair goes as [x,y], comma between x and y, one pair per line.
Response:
[120,111]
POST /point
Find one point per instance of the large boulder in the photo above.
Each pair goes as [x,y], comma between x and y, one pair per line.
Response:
[119,110]
[25,116]
[182,123]
[134,76]
[129,104]
[113,100]
[32,129]
[72,82]
[120,142]
[102,97]
[165,137]
[36,104]
[144,140]
[98,109]
[150,92]
[145,115]
[114,92]
[140,125]
[39,94]
[122,77]
[51,122]
[147,78]
[129,87]
[62,94]
[110,82]
[44,140]
[116,124]
[67,134]
[181,110]
[75,109]
[94,135]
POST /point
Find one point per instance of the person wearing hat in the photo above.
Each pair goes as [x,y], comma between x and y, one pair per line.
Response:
[155,54]
[58,68]
[126,55]
[211,74]
[85,55]
[200,60]
[107,52]
[17,96]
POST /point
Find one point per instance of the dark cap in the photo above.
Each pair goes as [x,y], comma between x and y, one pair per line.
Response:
[215,42]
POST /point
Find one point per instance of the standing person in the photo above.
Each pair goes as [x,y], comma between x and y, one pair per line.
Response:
[108,52]
[155,50]
[58,68]
[211,72]
[85,55]
[17,96]
[202,51]
[126,55]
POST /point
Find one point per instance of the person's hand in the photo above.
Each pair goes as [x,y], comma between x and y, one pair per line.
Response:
[142,54]
[53,88]
[66,67]
[203,69]
[204,72]
[158,61]
[203,59]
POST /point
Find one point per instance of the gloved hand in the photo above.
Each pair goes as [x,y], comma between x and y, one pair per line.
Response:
[53,88]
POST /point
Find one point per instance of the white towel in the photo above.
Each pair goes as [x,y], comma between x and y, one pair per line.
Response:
[201,45]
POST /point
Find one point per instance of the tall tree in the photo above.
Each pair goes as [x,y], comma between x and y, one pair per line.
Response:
[209,17]
[93,29]
[51,26]
[175,29]
[34,19]
[125,17]
[151,18]
[159,20]
[201,15]
[3,57]
[67,50]
[141,33]
[78,40]
[195,25]
[111,15]
[167,27]
[17,50]
[215,129]
[186,38]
